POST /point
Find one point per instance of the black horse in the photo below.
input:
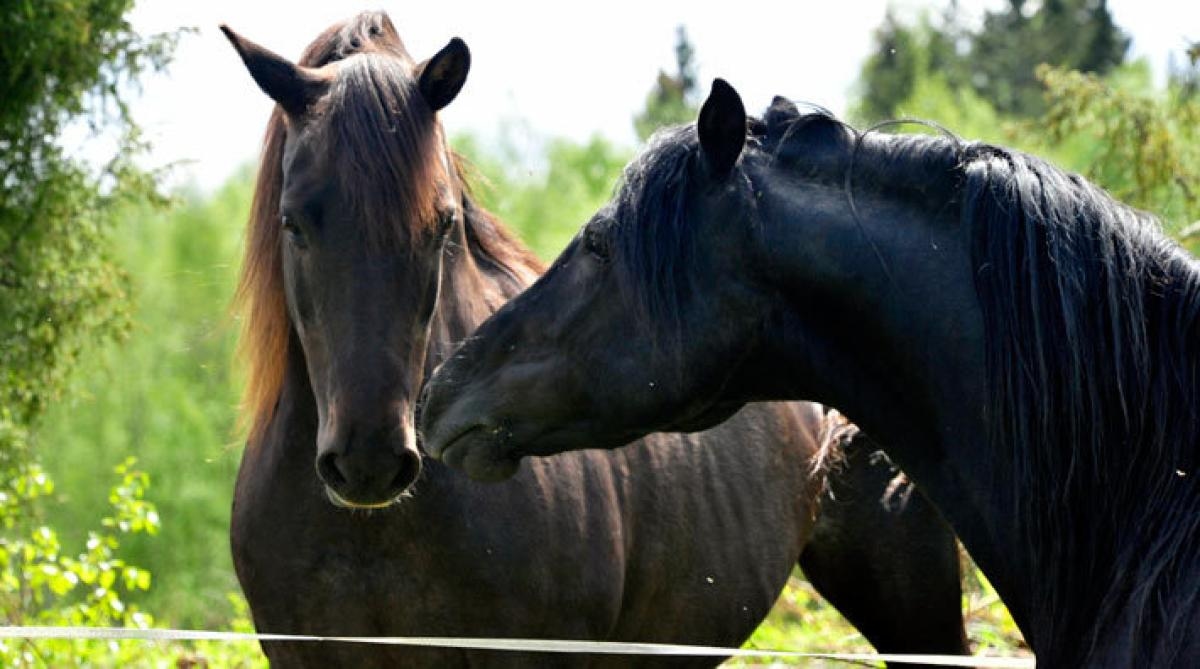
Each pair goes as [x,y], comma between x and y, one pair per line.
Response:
[366,262]
[1027,349]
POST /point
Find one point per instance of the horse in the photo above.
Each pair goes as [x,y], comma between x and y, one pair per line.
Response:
[367,262]
[1024,346]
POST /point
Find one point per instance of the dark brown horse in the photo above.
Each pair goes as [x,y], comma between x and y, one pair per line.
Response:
[367,263]
[1025,346]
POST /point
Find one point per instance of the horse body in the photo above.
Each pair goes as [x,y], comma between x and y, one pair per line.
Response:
[1024,347]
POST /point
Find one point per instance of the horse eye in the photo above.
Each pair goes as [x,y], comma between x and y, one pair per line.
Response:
[596,243]
[446,221]
[293,231]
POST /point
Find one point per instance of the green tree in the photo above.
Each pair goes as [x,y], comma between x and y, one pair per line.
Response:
[672,101]
[890,72]
[1185,78]
[167,395]
[1074,34]
[41,584]
[1140,146]
[996,60]
[68,66]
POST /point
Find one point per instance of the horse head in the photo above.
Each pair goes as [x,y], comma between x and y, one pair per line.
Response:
[352,240]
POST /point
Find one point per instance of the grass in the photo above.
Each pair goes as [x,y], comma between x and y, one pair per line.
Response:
[802,621]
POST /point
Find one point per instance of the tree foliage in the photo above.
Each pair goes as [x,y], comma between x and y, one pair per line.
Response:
[1185,77]
[1137,142]
[1074,34]
[167,394]
[546,207]
[67,170]
[891,71]
[1144,148]
[42,585]
[67,67]
[672,101]
[997,60]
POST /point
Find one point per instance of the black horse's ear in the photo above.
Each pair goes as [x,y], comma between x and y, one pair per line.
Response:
[292,86]
[722,128]
[443,76]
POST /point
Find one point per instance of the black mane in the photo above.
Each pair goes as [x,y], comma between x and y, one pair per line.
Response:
[651,202]
[1092,320]
[654,243]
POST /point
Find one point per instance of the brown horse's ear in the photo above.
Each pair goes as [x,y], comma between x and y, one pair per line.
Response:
[292,86]
[443,76]
[722,128]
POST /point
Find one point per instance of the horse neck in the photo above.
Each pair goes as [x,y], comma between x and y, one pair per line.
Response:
[881,319]
[883,326]
[478,277]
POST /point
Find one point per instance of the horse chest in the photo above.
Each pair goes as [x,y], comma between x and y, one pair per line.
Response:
[306,565]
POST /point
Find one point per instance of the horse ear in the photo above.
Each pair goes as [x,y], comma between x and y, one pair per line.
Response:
[292,86]
[722,128]
[443,76]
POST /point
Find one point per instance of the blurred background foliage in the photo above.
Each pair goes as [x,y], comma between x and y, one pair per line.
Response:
[116,339]
[1051,78]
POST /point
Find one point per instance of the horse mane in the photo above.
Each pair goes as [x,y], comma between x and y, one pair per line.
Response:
[1093,356]
[654,239]
[1092,335]
[1092,326]
[385,133]
[654,243]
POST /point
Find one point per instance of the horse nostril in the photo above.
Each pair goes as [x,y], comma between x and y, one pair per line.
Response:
[373,475]
[330,472]
[410,469]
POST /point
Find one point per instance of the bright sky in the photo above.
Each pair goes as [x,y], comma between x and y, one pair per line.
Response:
[555,68]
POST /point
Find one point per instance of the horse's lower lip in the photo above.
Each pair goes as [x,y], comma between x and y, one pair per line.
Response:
[343,503]
[487,461]
[455,452]
[440,454]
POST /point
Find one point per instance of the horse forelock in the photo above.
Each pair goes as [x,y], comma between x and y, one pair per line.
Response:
[652,198]
[387,149]
[367,31]
[654,240]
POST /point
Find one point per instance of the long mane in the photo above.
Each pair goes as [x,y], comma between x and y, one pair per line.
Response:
[1092,337]
[385,134]
[651,205]
[1092,327]
[1093,322]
